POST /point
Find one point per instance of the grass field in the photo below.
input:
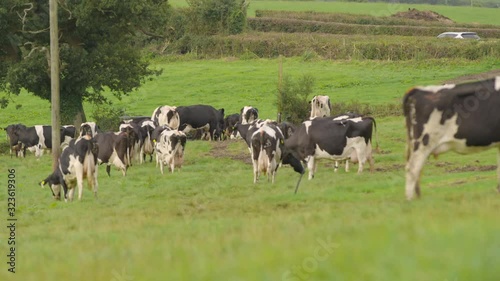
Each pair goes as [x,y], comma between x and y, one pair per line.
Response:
[210,222]
[461,14]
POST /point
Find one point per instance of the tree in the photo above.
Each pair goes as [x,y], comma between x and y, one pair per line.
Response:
[208,17]
[97,49]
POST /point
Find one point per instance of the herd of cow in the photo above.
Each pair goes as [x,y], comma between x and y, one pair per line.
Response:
[462,118]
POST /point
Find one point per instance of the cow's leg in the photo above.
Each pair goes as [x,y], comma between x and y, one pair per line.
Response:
[96,184]
[347,165]
[79,180]
[336,166]
[142,156]
[414,166]
[255,170]
[311,165]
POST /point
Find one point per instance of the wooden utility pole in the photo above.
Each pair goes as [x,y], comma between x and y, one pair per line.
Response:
[54,83]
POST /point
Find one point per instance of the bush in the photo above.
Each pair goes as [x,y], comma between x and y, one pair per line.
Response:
[107,117]
[291,25]
[292,98]
[210,17]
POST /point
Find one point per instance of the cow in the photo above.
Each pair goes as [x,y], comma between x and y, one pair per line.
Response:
[248,114]
[155,137]
[147,148]
[36,138]
[14,142]
[89,128]
[353,158]
[461,118]
[266,149]
[322,137]
[166,115]
[170,149]
[113,151]
[245,131]
[134,144]
[77,161]
[69,130]
[229,122]
[202,116]
[320,106]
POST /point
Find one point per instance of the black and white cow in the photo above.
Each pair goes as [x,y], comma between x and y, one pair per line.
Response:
[202,116]
[248,114]
[353,158]
[229,122]
[245,131]
[463,118]
[320,106]
[89,128]
[37,138]
[322,137]
[170,149]
[113,150]
[166,115]
[266,148]
[77,161]
[147,146]
[155,136]
[70,131]
[134,144]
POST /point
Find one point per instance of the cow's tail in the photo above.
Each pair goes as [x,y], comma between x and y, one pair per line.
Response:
[410,115]
[90,164]
[377,148]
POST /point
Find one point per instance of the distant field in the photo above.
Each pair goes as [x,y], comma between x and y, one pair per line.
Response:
[461,14]
[210,222]
[232,83]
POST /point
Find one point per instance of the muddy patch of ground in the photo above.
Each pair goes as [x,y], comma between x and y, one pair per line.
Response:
[415,14]
[474,77]
[220,150]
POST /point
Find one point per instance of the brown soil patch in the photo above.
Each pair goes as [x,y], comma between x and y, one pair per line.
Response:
[470,168]
[220,150]
[474,77]
[415,14]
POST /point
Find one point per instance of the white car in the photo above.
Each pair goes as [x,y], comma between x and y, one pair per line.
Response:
[459,35]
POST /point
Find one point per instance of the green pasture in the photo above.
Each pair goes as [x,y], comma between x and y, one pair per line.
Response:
[463,14]
[210,222]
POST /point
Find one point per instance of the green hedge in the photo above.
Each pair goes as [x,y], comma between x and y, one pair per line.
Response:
[362,19]
[327,46]
[296,25]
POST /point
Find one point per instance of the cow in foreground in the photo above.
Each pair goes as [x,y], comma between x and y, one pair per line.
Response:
[77,161]
[336,140]
[170,149]
[320,106]
[463,118]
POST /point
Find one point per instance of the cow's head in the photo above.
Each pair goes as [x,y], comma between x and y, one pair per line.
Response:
[54,184]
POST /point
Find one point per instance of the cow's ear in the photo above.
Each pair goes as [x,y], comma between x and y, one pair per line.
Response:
[222,111]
